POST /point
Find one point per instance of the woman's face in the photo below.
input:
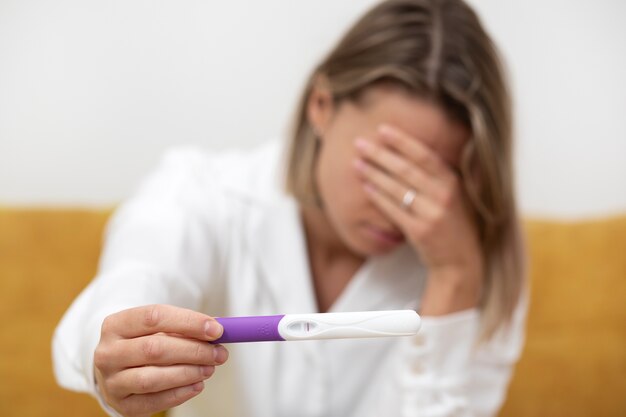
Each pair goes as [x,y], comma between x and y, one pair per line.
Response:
[363,228]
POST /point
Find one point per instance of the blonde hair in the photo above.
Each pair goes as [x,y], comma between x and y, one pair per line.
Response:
[438,50]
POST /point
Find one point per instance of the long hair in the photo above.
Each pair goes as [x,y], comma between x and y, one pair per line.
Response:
[438,50]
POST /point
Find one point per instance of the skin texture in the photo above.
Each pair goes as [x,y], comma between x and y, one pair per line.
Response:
[155,357]
[373,151]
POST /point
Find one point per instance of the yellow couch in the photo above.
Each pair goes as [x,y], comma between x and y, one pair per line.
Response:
[574,362]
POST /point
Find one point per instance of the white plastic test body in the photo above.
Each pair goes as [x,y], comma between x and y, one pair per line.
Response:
[317,326]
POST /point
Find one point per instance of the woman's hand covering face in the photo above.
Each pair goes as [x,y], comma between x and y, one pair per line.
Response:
[422,195]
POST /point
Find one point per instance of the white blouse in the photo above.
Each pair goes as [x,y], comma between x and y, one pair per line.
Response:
[217,234]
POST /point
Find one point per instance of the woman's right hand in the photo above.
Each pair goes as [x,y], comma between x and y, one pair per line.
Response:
[155,357]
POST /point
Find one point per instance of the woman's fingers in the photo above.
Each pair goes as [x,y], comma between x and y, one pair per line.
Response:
[408,182]
[149,379]
[145,320]
[414,150]
[158,349]
[155,357]
[391,209]
[409,173]
[395,190]
[140,405]
[397,165]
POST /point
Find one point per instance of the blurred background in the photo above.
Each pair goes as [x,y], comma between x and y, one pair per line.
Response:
[92,93]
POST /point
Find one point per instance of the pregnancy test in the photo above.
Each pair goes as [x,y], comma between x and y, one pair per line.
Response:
[319,326]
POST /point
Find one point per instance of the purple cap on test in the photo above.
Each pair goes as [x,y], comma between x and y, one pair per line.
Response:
[249,329]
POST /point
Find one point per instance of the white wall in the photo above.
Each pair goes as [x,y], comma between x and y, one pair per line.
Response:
[568,64]
[91,92]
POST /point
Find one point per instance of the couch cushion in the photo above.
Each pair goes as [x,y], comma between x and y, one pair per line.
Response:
[574,361]
[46,258]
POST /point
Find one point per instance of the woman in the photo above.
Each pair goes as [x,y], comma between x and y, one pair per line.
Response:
[399,194]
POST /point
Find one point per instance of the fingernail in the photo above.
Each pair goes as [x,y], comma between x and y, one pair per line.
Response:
[213,329]
[384,129]
[359,164]
[361,143]
[198,386]
[220,354]
[207,370]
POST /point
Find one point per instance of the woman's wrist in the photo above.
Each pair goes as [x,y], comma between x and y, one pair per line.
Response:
[450,290]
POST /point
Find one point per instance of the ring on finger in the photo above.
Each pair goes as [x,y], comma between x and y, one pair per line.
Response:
[408,198]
